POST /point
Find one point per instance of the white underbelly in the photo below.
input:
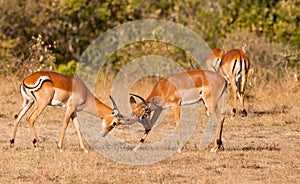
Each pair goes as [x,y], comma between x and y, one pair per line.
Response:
[189,94]
[57,103]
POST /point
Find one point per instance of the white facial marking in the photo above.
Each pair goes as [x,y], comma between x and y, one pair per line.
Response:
[103,124]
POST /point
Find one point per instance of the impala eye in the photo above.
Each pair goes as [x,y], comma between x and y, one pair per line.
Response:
[114,124]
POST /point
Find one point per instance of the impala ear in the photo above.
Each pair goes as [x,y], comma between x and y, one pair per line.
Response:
[132,102]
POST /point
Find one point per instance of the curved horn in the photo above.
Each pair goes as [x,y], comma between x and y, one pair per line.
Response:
[113,102]
[138,97]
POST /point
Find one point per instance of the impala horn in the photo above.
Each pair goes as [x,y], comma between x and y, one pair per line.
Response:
[117,113]
[144,101]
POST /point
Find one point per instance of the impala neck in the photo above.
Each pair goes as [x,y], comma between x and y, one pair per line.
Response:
[96,107]
[102,109]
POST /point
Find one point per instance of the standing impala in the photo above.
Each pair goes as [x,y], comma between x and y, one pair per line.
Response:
[234,67]
[183,89]
[54,89]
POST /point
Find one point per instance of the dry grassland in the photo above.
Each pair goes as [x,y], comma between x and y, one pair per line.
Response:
[263,148]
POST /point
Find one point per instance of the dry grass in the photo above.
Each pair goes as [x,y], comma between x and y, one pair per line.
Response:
[260,149]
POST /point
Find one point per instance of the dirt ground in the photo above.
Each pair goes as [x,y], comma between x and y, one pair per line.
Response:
[262,148]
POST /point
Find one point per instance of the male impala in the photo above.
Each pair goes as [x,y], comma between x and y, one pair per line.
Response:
[234,67]
[183,89]
[54,89]
[214,58]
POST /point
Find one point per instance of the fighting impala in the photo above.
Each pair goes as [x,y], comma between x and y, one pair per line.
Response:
[182,89]
[54,89]
[234,67]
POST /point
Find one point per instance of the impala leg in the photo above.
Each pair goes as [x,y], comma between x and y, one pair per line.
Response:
[76,123]
[234,91]
[242,90]
[68,114]
[38,109]
[148,127]
[18,117]
[241,97]
[176,111]
[142,140]
[218,145]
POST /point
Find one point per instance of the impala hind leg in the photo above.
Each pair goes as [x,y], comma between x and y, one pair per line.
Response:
[234,91]
[241,97]
[26,106]
[38,109]
[218,144]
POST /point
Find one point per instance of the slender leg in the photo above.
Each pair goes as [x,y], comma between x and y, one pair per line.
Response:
[68,114]
[142,140]
[148,126]
[176,111]
[38,109]
[241,98]
[18,117]
[218,145]
[234,91]
[76,123]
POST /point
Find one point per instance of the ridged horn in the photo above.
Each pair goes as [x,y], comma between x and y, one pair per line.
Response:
[139,97]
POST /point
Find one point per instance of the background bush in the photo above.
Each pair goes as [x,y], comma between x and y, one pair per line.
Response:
[52,35]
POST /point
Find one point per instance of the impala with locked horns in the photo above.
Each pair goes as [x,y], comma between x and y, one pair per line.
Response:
[49,88]
[178,90]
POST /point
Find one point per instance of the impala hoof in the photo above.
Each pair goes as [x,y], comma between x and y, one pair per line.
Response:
[214,150]
[244,113]
[12,143]
[179,150]
[217,149]
[35,143]
[135,149]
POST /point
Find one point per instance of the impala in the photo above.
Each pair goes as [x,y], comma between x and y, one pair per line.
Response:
[234,67]
[182,89]
[214,58]
[54,89]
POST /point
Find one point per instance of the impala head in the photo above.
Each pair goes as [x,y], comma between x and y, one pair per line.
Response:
[143,109]
[112,120]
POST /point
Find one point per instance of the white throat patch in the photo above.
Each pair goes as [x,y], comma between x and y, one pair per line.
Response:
[103,124]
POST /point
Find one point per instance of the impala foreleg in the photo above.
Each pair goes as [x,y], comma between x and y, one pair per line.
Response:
[148,126]
[142,140]
[68,115]
[176,111]
[76,123]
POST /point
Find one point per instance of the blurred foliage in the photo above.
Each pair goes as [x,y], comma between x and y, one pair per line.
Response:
[67,27]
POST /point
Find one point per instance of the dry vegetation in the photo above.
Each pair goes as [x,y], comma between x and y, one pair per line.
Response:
[262,148]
